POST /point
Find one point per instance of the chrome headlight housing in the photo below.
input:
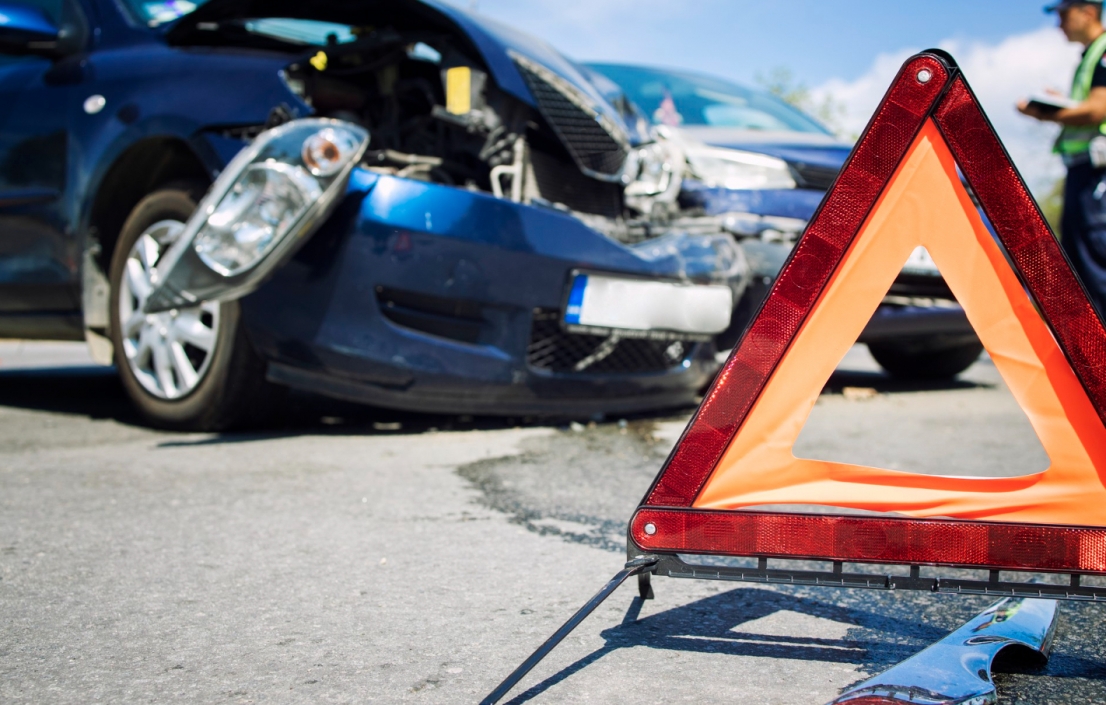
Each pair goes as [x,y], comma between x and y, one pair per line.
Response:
[267,202]
[262,206]
[653,175]
[736,169]
[654,171]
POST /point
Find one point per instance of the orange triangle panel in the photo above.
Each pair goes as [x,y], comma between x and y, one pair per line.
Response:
[901,189]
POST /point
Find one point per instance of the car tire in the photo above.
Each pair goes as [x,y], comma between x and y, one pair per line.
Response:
[927,358]
[202,374]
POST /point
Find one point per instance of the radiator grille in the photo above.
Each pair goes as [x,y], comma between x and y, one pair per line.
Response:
[588,136]
[555,350]
[560,182]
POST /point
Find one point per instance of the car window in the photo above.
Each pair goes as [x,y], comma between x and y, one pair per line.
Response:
[302,31]
[155,12]
[677,98]
[52,8]
[295,31]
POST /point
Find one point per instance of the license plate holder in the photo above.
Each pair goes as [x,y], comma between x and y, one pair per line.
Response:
[647,309]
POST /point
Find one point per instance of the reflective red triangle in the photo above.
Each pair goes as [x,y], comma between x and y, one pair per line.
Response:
[736,451]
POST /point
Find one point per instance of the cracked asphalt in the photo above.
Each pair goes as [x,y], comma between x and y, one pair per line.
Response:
[357,555]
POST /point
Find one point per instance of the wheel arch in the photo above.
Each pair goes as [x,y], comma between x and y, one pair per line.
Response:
[140,169]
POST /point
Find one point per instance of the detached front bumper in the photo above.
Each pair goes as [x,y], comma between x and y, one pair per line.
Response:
[767,221]
[432,298]
[893,322]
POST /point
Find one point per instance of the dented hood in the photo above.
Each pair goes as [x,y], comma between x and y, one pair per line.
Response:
[494,42]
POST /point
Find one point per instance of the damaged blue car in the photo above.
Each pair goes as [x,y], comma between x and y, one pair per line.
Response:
[392,202]
[764,167]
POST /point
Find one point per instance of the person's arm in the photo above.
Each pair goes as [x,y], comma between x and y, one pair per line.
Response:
[1092,111]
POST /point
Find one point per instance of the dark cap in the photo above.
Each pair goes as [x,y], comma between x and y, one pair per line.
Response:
[1065,4]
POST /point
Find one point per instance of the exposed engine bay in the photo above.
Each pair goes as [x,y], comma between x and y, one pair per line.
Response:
[414,96]
[435,114]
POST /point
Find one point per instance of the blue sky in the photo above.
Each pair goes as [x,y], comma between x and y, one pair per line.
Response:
[849,51]
[739,38]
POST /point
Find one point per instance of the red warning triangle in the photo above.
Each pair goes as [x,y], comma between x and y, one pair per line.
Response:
[899,190]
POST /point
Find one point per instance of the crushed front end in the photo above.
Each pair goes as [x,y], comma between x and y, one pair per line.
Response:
[507,242]
[424,297]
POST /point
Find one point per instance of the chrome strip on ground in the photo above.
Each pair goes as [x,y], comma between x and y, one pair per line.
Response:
[957,669]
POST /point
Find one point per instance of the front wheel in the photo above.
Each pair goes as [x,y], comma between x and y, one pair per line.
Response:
[927,358]
[189,368]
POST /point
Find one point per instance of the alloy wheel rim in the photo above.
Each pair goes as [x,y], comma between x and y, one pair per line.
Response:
[169,353]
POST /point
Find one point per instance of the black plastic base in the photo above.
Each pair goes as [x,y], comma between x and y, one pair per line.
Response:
[673,566]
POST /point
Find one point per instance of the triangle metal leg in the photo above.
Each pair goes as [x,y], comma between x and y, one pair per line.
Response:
[638,567]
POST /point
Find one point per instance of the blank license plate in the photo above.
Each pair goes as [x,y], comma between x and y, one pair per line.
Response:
[647,309]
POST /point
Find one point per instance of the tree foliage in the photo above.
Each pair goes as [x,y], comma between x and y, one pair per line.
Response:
[782,83]
[1052,205]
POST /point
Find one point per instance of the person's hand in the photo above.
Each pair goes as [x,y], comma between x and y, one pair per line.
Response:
[1031,110]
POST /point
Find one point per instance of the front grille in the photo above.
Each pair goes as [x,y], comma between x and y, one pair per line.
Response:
[814,177]
[455,319]
[560,182]
[555,350]
[587,135]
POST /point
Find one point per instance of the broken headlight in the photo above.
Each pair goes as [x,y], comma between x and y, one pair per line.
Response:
[652,175]
[266,203]
[735,169]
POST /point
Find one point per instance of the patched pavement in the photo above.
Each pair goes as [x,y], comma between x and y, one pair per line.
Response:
[356,555]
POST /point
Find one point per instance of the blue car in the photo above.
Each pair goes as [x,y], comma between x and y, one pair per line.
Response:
[392,202]
[763,167]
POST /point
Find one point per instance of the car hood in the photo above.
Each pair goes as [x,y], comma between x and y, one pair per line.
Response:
[804,148]
[495,42]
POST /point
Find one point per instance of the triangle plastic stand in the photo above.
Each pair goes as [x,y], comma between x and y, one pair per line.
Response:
[908,182]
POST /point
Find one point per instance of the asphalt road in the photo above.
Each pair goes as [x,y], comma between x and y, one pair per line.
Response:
[353,555]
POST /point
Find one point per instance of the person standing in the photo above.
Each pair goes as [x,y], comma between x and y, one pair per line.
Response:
[1082,145]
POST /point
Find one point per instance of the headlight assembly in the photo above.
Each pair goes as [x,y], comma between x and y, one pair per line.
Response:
[735,169]
[654,170]
[263,204]
[327,151]
[266,203]
[653,175]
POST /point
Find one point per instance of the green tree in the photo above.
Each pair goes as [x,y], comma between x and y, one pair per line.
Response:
[1052,205]
[781,82]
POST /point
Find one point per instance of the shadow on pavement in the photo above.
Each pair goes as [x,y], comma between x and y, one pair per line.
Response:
[91,391]
[712,625]
[875,641]
[95,392]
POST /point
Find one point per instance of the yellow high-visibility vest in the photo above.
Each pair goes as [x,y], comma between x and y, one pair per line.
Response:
[1077,140]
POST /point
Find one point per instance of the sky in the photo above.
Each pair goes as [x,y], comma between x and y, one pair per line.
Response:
[847,50]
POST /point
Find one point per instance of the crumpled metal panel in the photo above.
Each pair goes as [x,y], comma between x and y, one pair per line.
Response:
[957,669]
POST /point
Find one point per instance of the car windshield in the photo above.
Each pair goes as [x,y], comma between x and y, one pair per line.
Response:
[302,31]
[295,31]
[155,12]
[677,98]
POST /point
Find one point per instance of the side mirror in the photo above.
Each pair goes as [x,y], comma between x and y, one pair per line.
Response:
[27,30]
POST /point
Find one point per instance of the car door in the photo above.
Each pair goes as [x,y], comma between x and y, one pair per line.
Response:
[39,272]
